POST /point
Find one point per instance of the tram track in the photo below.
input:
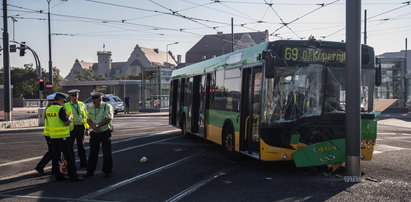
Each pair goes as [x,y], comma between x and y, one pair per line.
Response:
[113,152]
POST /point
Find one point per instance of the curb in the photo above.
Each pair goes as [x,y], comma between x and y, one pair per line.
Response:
[19,130]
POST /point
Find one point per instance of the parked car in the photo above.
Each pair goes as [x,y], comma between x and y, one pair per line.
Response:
[114,101]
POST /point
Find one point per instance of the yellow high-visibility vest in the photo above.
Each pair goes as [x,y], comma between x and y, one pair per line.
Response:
[56,127]
[83,111]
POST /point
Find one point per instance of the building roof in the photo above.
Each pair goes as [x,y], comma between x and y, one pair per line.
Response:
[158,58]
[84,65]
[220,44]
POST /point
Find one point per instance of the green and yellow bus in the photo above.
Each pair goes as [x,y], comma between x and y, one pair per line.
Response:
[275,101]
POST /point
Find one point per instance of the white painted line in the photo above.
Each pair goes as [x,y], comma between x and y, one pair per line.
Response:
[135,178]
[18,142]
[125,149]
[381,148]
[44,198]
[114,142]
[200,184]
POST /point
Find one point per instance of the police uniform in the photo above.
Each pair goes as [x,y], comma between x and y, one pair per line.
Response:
[78,125]
[48,156]
[99,119]
[60,137]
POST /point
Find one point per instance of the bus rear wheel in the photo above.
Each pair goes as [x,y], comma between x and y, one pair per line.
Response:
[228,139]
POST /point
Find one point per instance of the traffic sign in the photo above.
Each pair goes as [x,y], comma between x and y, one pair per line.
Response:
[49,86]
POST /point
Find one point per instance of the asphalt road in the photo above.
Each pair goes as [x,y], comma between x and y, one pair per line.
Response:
[191,169]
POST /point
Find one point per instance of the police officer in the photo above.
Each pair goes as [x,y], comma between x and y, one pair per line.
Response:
[48,156]
[99,117]
[78,125]
[58,127]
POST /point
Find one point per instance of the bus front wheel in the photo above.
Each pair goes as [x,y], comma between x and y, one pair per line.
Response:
[228,139]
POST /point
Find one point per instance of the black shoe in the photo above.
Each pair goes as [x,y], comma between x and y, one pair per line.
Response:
[59,179]
[107,174]
[40,171]
[88,175]
[76,179]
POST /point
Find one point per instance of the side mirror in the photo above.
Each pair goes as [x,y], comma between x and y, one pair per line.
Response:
[378,73]
[269,67]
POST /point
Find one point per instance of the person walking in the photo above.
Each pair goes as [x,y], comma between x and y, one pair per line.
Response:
[58,128]
[127,103]
[48,156]
[78,125]
[100,117]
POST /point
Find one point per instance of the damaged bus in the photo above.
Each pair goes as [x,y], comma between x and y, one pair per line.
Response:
[275,101]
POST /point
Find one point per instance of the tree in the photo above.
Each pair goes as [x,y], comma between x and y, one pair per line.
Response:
[26,82]
[135,76]
[88,75]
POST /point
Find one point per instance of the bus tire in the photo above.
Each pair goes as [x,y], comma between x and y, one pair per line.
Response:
[228,138]
[183,126]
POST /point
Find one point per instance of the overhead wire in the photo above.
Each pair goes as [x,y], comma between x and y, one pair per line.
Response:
[407,3]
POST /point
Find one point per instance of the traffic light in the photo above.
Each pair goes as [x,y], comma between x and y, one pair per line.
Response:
[13,48]
[22,48]
[41,84]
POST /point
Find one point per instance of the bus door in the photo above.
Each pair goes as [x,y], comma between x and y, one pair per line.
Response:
[204,103]
[195,105]
[250,109]
[174,102]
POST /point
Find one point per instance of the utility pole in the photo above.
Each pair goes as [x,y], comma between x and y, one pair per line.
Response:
[6,65]
[405,74]
[365,26]
[232,35]
[50,63]
[353,94]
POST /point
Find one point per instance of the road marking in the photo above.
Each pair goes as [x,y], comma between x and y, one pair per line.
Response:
[114,142]
[44,198]
[381,148]
[135,178]
[114,152]
[200,184]
[18,142]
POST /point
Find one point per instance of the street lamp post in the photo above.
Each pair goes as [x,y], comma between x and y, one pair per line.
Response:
[167,49]
[50,62]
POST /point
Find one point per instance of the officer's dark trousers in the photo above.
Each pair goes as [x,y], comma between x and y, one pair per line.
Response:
[63,145]
[77,134]
[95,140]
[48,156]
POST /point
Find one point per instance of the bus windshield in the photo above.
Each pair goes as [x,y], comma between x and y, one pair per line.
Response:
[304,91]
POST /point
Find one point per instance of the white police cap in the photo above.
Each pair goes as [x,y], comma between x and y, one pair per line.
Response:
[96,94]
[51,97]
[73,91]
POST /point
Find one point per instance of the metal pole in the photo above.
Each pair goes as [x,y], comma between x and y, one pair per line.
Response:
[232,35]
[405,74]
[50,62]
[6,66]
[365,26]
[353,85]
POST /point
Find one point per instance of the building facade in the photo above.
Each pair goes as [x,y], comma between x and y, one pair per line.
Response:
[214,45]
[152,66]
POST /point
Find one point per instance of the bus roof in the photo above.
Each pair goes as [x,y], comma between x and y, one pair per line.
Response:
[244,56]
[251,54]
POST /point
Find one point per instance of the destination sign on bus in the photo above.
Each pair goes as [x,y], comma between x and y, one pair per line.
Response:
[313,55]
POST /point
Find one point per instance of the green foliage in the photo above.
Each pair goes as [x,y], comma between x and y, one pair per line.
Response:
[26,83]
[88,75]
[129,77]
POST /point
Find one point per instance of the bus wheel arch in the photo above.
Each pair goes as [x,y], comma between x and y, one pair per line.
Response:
[228,136]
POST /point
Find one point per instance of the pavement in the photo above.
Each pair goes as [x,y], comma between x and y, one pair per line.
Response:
[192,169]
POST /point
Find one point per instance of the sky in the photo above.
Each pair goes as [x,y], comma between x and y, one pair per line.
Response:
[80,28]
